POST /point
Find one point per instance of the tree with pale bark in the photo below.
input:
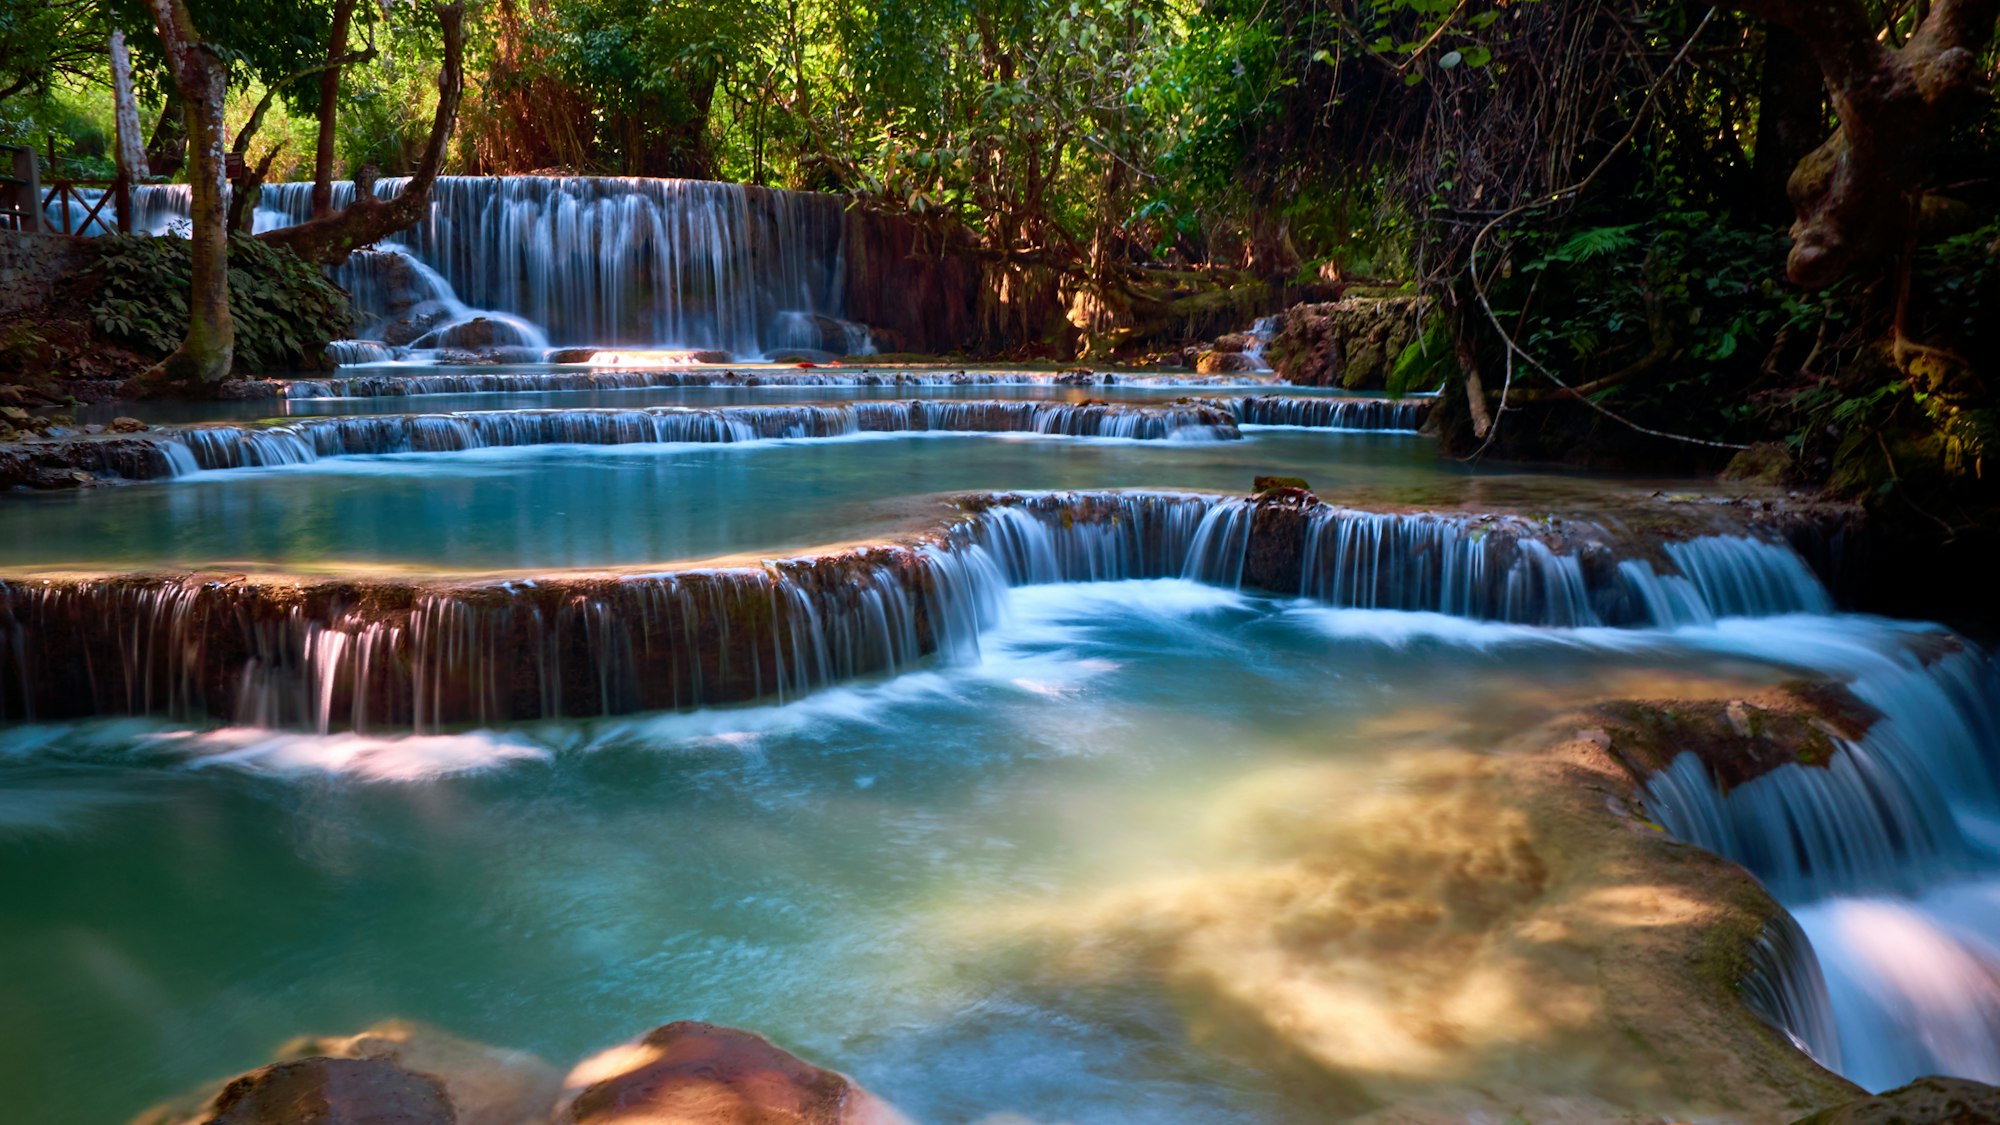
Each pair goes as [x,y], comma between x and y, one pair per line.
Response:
[198,72]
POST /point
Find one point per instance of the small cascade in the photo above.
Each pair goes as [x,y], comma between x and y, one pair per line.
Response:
[1740,576]
[1864,820]
[352,353]
[237,447]
[516,382]
[1091,537]
[1491,570]
[604,260]
[1885,852]
[399,653]
[1881,814]
[1370,414]
[338,656]
[797,331]
[407,304]
[1194,422]
[1263,330]
[1786,988]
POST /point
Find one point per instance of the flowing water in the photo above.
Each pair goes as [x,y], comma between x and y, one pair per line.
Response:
[559,506]
[848,870]
[832,871]
[972,814]
[599,260]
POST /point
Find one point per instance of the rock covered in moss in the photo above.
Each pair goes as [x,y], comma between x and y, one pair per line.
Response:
[690,1073]
[1767,462]
[1927,1101]
[1349,343]
[1740,740]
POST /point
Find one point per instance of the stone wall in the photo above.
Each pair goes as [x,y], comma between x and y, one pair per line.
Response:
[30,264]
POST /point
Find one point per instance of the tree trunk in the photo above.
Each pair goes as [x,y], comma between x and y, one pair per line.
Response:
[329,98]
[209,350]
[329,239]
[130,148]
[1855,195]
[167,151]
[1791,118]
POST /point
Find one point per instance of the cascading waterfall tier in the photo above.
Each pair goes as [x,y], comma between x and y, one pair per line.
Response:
[602,260]
[170,452]
[230,447]
[177,451]
[1370,414]
[399,653]
[602,379]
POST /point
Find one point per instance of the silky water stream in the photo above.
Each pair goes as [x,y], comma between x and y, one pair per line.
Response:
[948,860]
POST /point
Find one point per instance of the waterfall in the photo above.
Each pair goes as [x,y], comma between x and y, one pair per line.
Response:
[435,654]
[1886,853]
[602,260]
[1786,987]
[1370,414]
[234,447]
[407,304]
[383,385]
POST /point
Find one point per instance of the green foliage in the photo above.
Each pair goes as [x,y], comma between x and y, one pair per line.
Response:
[76,123]
[285,310]
[1423,365]
[1707,287]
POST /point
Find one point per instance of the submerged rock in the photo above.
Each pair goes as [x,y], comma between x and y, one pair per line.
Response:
[1268,484]
[398,1072]
[127,425]
[324,1091]
[1469,931]
[690,1073]
[487,1085]
[800,355]
[1927,1101]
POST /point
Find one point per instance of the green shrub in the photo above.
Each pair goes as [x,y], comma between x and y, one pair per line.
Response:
[285,310]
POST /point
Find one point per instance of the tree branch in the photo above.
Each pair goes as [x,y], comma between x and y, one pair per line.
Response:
[271,92]
[329,239]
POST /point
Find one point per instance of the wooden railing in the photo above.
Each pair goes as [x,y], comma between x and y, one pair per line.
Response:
[26,201]
[65,198]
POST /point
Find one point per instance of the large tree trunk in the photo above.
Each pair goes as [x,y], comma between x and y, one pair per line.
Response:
[209,350]
[329,239]
[329,98]
[1856,195]
[130,147]
[1791,118]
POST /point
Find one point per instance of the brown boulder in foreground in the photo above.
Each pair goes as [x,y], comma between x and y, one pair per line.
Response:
[333,1092]
[1927,1101]
[689,1073]
[487,1085]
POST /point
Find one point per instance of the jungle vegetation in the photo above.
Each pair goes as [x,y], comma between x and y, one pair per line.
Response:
[1649,233]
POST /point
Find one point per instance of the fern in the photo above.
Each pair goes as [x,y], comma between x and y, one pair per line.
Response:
[1596,242]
